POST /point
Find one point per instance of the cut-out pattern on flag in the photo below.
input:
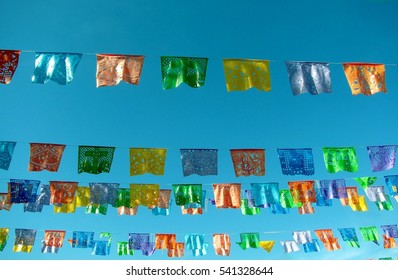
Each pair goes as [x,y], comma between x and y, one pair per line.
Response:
[6,151]
[321,198]
[328,240]
[3,238]
[222,244]
[287,200]
[24,240]
[5,201]
[311,77]
[65,208]
[340,159]
[45,156]
[8,65]
[350,237]
[290,246]
[57,67]
[187,193]
[148,248]
[82,239]
[302,236]
[333,188]
[188,70]
[144,195]
[195,208]
[95,160]
[247,209]
[227,195]
[23,191]
[391,231]
[243,74]
[97,209]
[360,204]
[312,247]
[163,206]
[365,182]
[102,247]
[302,191]
[267,245]
[365,78]
[111,69]
[147,160]
[43,198]
[392,183]
[53,241]
[249,240]
[265,193]
[177,251]
[382,157]
[389,242]
[123,249]
[123,198]
[62,192]
[136,240]
[202,162]
[165,241]
[370,234]
[196,243]
[306,208]
[82,196]
[296,161]
[375,193]
[103,193]
[248,162]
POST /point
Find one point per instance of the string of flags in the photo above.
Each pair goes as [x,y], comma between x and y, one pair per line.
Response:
[240,74]
[197,244]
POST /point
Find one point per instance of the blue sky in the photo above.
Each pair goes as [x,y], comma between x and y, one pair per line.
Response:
[209,117]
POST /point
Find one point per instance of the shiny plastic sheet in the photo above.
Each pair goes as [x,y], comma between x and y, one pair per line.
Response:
[382,157]
[3,238]
[57,67]
[370,234]
[123,198]
[290,246]
[24,240]
[287,201]
[222,244]
[306,208]
[385,205]
[45,156]
[123,210]
[147,160]
[177,251]
[389,242]
[101,248]
[247,210]
[195,241]
[8,65]
[62,192]
[178,70]
[111,69]
[302,191]
[53,240]
[333,188]
[340,159]
[349,236]
[6,151]
[365,78]
[328,240]
[321,198]
[136,240]
[248,162]
[243,74]
[302,236]
[43,198]
[360,205]
[202,162]
[123,249]
[265,193]
[82,196]
[144,195]
[227,195]
[278,209]
[103,193]
[375,193]
[311,77]
[390,231]
[365,182]
[249,240]
[148,248]
[165,241]
[312,247]
[195,208]
[267,245]
[23,191]
[392,183]
[5,203]
[296,161]
[163,206]
[187,193]
[95,160]
[65,208]
[82,239]
[97,209]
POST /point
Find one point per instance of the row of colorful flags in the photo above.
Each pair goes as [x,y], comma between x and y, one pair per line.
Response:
[148,243]
[240,74]
[202,162]
[193,198]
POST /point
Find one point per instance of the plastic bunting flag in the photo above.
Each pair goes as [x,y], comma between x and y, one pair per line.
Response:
[322,199]
[278,209]
[356,202]
[45,156]
[95,160]
[196,243]
[249,240]
[53,240]
[302,236]
[147,160]
[202,162]
[82,196]
[165,241]
[296,161]
[287,201]
[82,239]
[103,193]
[136,240]
[382,157]
[350,237]
[365,182]
[177,251]
[248,162]
[144,195]
[375,193]
[290,246]
[111,69]
[390,231]
[123,249]
[187,193]
[97,209]
[57,67]
[328,240]
[385,205]
[178,70]
[24,240]
[302,191]
[148,248]
[195,208]
[365,78]
[243,74]
[267,245]
[389,242]
[370,234]
[102,247]
[333,188]
[311,247]
[3,238]
[227,195]
[43,198]
[5,203]
[311,77]
[65,208]
[392,183]
[163,206]
[385,259]
[123,203]
[8,65]
[62,192]
[265,193]
[340,159]
[222,244]
[247,210]
[23,191]
[306,208]
[6,151]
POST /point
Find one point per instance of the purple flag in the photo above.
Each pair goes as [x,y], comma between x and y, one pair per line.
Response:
[382,157]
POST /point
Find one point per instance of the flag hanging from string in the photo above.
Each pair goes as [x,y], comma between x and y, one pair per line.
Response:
[147,160]
[365,78]
[62,192]
[296,161]
[144,195]
[6,151]
[290,246]
[370,234]
[95,160]
[227,195]
[328,240]
[202,162]
[267,245]
[196,243]
[249,240]
[8,65]
[53,241]
[3,238]
[222,244]
[382,157]
[349,236]
[23,191]
[248,162]
[45,156]
[24,240]
[187,193]
[340,159]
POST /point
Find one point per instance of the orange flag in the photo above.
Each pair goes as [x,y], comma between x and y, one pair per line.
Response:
[328,240]
[45,156]
[365,78]
[222,244]
[227,195]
